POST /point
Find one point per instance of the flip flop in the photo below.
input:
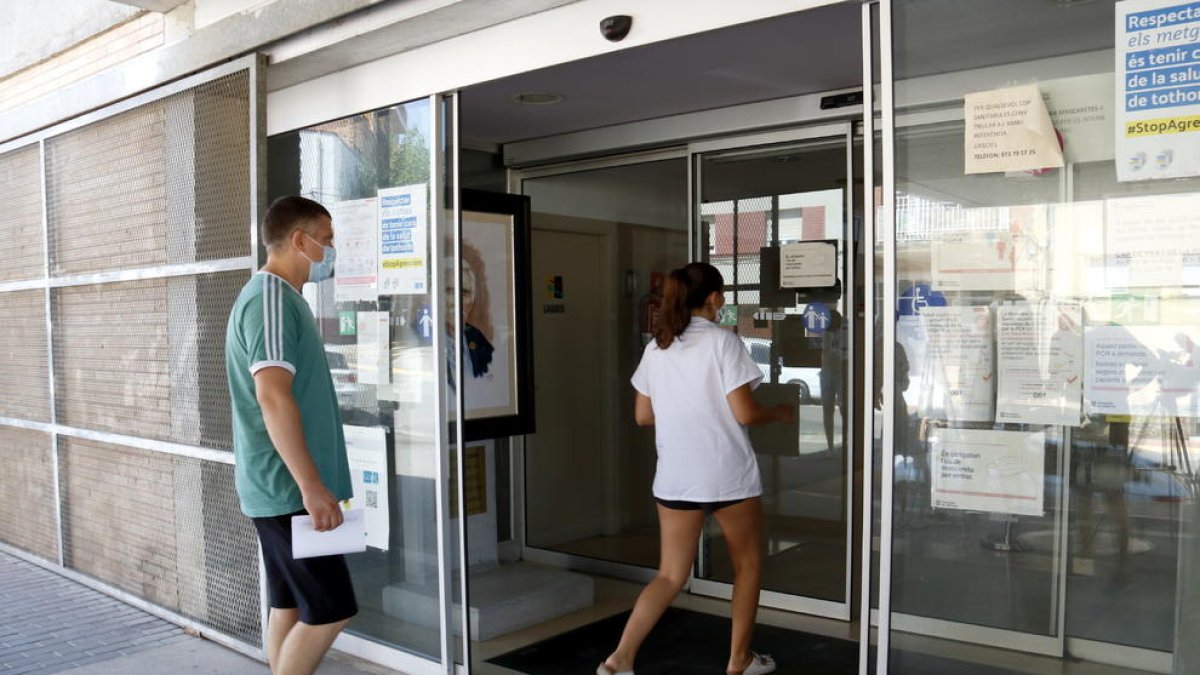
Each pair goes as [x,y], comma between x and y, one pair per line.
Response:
[760,664]
[603,669]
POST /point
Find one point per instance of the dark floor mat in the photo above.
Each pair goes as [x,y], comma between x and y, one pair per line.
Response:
[683,643]
[692,643]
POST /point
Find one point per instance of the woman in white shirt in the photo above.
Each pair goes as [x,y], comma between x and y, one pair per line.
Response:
[694,386]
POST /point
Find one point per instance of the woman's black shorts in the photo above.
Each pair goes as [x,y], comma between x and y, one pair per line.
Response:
[319,587]
[707,507]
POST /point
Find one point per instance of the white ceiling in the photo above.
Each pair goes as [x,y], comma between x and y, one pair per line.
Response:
[812,51]
[817,50]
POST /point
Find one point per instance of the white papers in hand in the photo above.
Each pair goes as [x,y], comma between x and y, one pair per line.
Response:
[349,537]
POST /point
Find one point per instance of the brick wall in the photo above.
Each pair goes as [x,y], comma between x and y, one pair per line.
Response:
[24,366]
[113,359]
[27,500]
[22,251]
[119,517]
[106,192]
[120,43]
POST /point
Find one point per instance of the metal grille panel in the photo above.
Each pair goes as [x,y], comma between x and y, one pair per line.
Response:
[22,246]
[27,518]
[164,528]
[112,358]
[166,182]
[23,356]
[146,358]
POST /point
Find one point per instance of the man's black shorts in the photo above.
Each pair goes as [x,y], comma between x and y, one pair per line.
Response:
[319,587]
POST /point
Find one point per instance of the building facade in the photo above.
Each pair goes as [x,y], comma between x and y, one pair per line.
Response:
[957,236]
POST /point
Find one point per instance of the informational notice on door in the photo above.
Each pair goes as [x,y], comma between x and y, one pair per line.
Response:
[1081,109]
[403,240]
[960,362]
[986,470]
[1152,241]
[373,348]
[1158,89]
[1039,357]
[808,264]
[366,452]
[357,244]
[1150,371]
[1009,130]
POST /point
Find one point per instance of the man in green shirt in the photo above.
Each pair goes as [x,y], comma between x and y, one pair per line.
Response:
[287,434]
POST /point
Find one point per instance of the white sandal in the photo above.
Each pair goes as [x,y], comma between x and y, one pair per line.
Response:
[603,669]
[760,664]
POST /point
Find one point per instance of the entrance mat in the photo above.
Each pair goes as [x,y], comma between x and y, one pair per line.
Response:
[692,643]
[683,643]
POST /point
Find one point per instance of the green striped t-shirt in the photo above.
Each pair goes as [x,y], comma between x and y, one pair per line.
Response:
[271,326]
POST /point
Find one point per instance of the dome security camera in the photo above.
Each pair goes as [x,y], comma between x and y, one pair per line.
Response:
[616,27]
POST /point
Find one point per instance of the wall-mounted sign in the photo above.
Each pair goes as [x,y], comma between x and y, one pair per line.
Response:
[727,315]
[816,318]
[403,231]
[366,452]
[357,251]
[1157,89]
[917,298]
[985,470]
[1009,130]
[808,264]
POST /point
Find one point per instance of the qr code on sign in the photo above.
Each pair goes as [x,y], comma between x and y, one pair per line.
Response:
[372,499]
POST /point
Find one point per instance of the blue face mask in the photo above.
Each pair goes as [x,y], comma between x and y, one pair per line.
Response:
[320,271]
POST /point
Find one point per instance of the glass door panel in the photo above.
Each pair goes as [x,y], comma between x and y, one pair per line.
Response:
[757,209]
[375,173]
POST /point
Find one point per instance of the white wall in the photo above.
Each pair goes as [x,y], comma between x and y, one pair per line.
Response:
[34,30]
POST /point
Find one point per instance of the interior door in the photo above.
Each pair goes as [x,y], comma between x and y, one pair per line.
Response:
[772,212]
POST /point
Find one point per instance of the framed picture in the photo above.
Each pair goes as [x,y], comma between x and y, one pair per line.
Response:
[496,345]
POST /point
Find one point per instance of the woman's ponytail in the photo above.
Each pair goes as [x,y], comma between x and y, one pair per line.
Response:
[686,289]
[674,316]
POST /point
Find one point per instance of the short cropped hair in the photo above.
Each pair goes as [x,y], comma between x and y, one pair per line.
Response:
[285,215]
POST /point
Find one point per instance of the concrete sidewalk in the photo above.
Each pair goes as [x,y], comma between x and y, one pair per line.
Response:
[51,624]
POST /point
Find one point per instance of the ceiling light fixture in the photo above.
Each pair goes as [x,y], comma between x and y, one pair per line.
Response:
[537,97]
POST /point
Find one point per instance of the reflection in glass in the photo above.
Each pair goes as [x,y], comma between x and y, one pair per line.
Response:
[379,348]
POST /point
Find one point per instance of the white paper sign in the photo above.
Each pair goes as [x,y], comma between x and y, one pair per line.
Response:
[1158,89]
[1153,241]
[985,470]
[1151,371]
[348,537]
[809,264]
[1081,109]
[366,452]
[1009,130]
[356,238]
[403,240]
[960,361]
[374,342]
[1039,355]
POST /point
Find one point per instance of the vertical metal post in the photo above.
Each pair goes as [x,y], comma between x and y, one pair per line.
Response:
[848,380]
[441,423]
[257,126]
[455,222]
[868,379]
[888,309]
[50,370]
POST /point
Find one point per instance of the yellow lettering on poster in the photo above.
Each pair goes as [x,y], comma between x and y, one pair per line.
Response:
[1162,125]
